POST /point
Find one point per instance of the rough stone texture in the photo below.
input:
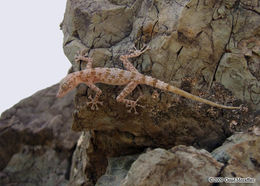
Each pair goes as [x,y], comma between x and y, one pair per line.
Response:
[222,153]
[117,169]
[210,48]
[36,141]
[179,166]
[173,54]
[90,162]
[239,68]
[83,166]
[241,155]
[36,165]
[194,45]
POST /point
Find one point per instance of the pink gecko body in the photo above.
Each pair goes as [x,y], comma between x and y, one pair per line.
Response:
[115,76]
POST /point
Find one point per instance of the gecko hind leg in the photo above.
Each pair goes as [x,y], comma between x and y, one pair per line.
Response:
[129,103]
[132,105]
[94,102]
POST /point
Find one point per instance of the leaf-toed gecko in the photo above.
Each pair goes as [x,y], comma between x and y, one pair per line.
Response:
[115,76]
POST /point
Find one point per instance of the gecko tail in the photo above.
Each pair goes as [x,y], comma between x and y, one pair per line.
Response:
[169,88]
[197,98]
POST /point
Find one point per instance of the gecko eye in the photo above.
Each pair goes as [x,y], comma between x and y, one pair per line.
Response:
[65,86]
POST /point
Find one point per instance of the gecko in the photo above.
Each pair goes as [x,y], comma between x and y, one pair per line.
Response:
[116,76]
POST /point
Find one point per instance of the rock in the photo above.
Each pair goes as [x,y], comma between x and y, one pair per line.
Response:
[241,155]
[208,48]
[179,166]
[91,164]
[117,169]
[235,68]
[193,44]
[36,141]
[178,45]
[174,52]
[222,153]
[36,165]
[82,171]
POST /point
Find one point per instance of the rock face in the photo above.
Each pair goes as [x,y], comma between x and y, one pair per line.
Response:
[215,41]
[117,169]
[209,48]
[108,29]
[238,157]
[179,166]
[36,140]
[204,47]
[241,155]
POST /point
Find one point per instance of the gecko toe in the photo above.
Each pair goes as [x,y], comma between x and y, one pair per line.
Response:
[94,103]
[132,106]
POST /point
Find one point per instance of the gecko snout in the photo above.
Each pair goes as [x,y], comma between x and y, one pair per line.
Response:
[59,95]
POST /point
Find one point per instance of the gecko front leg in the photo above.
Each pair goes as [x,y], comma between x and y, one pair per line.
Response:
[134,53]
[129,103]
[94,101]
[80,56]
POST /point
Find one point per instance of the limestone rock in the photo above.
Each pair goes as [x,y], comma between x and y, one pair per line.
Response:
[208,48]
[36,165]
[179,166]
[194,46]
[185,36]
[177,46]
[241,155]
[81,172]
[117,169]
[222,153]
[92,164]
[36,141]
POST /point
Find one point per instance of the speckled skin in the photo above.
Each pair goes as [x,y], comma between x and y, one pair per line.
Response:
[115,76]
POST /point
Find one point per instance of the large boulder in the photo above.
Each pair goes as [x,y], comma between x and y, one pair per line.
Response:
[180,166]
[241,156]
[36,140]
[203,47]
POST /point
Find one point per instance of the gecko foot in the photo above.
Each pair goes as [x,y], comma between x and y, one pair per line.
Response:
[94,103]
[80,56]
[136,52]
[132,105]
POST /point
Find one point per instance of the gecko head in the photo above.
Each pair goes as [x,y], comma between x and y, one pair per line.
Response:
[66,85]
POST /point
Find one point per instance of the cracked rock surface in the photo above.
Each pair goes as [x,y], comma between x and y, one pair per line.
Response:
[208,48]
[180,165]
[36,140]
[241,156]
